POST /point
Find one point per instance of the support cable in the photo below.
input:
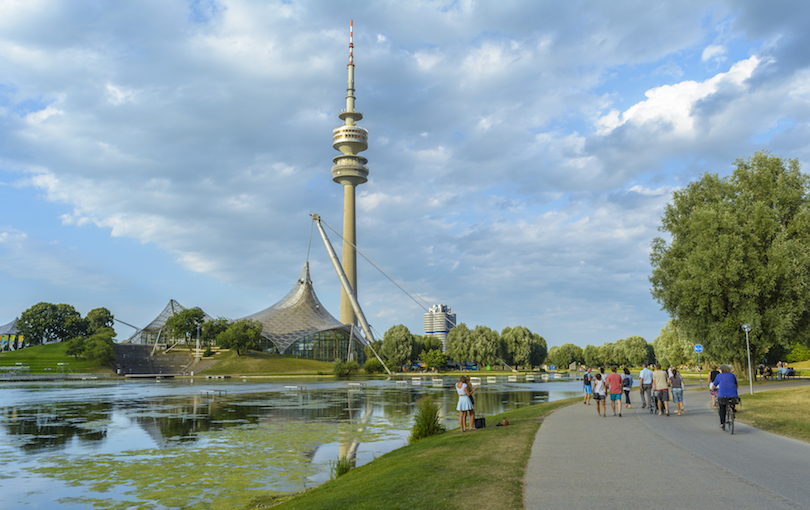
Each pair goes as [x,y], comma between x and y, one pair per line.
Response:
[385,273]
[309,246]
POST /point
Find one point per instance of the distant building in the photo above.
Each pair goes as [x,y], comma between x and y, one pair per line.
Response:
[153,333]
[10,337]
[438,322]
[300,326]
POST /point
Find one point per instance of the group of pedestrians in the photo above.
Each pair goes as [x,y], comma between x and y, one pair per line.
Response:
[655,386]
[599,386]
[653,382]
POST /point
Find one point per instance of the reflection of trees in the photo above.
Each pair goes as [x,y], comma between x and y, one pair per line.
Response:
[53,425]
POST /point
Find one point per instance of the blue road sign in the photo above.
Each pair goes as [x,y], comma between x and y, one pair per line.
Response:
[698,348]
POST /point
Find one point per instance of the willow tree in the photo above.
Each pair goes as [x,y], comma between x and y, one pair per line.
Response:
[519,346]
[739,252]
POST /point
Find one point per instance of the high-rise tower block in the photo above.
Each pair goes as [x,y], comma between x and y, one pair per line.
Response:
[349,170]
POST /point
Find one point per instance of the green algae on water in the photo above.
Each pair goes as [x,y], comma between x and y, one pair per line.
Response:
[232,467]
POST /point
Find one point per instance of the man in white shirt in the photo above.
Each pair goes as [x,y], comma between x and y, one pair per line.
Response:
[645,378]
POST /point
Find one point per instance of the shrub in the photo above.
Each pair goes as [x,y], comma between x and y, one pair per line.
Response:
[373,366]
[208,352]
[344,368]
[426,420]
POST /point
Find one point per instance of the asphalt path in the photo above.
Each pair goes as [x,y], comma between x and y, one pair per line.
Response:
[642,460]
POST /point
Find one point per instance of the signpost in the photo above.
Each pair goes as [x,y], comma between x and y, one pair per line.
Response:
[698,350]
[747,327]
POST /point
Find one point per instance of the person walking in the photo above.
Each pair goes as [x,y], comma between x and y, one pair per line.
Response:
[599,395]
[676,381]
[614,381]
[645,378]
[712,375]
[726,384]
[587,381]
[464,403]
[627,385]
[661,389]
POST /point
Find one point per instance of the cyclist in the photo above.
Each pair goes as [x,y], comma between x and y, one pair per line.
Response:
[726,384]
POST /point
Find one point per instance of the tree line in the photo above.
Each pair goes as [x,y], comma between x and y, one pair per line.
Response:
[631,351]
[92,336]
[516,347]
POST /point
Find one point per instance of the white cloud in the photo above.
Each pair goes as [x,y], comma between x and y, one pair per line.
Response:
[673,104]
[714,52]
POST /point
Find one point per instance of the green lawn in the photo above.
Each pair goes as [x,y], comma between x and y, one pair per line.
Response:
[782,411]
[256,363]
[44,359]
[481,469]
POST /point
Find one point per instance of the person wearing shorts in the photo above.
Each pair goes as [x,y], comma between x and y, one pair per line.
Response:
[615,381]
[587,382]
[661,388]
[676,381]
[599,395]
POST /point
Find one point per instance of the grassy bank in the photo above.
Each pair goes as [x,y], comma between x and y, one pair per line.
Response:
[481,469]
[782,411]
[257,363]
[45,359]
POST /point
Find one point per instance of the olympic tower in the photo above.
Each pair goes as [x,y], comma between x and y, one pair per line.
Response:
[349,170]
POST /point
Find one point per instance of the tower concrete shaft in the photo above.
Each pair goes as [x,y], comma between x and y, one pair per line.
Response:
[349,170]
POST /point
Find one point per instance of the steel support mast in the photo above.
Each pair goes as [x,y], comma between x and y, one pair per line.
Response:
[347,288]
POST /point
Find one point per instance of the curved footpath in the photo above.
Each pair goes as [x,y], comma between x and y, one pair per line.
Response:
[641,460]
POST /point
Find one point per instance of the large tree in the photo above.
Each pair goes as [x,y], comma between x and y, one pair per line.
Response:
[484,344]
[592,356]
[563,355]
[519,346]
[633,351]
[184,324]
[98,318]
[99,347]
[51,323]
[212,329]
[673,347]
[458,343]
[397,346]
[739,252]
[241,336]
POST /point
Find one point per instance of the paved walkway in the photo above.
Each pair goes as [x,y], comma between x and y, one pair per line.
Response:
[643,461]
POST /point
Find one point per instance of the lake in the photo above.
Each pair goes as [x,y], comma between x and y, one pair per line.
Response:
[193,443]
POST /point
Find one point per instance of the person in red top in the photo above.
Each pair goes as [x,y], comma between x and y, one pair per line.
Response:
[614,380]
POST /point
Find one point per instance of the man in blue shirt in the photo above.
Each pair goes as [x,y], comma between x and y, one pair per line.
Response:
[645,377]
[726,384]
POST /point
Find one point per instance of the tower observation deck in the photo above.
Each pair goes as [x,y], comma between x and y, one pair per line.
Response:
[349,170]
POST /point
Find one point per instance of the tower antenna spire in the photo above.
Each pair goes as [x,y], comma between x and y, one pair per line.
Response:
[350,171]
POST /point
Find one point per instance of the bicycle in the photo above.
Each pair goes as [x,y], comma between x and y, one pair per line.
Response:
[731,410]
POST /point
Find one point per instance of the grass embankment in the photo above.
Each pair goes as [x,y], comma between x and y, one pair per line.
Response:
[257,363]
[783,411]
[45,359]
[481,469]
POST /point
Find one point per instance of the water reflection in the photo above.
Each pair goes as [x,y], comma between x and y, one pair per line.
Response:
[47,430]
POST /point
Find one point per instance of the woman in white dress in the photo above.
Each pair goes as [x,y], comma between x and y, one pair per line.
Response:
[464,403]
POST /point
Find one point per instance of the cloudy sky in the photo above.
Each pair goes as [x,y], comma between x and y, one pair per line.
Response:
[520,153]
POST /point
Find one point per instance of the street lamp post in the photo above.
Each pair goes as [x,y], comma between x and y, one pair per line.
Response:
[747,327]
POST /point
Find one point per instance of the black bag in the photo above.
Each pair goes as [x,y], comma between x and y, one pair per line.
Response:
[480,423]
